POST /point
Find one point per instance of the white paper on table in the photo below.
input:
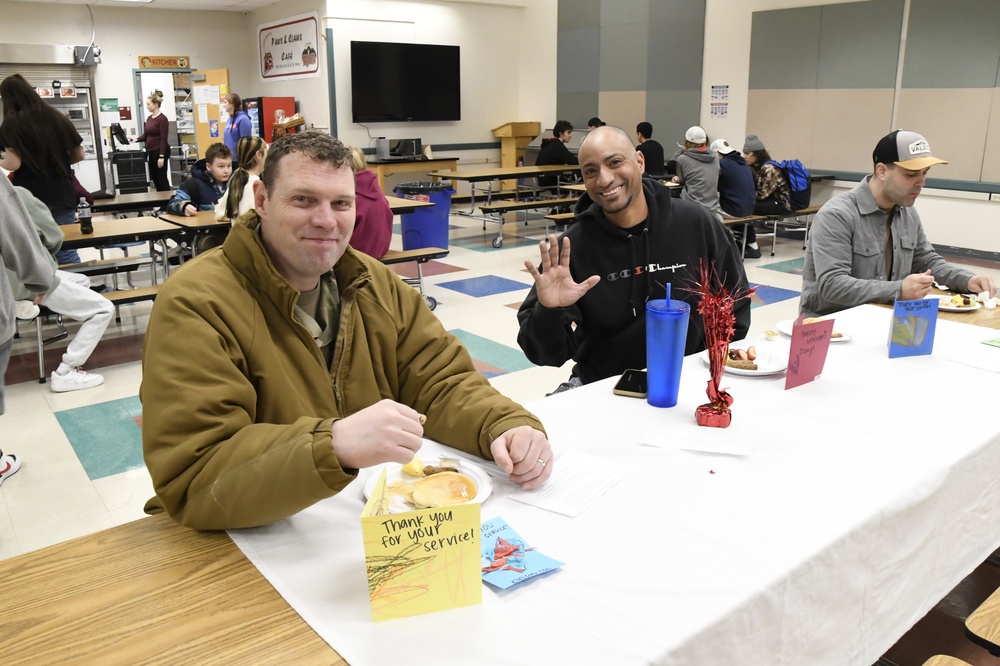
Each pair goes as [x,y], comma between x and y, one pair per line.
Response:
[736,440]
[577,481]
[985,359]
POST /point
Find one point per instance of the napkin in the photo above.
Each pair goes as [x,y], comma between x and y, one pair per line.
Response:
[985,299]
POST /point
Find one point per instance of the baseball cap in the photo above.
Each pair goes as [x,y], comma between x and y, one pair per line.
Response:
[722,146]
[905,149]
[695,135]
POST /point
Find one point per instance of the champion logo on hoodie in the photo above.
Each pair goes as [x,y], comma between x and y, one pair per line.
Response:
[639,270]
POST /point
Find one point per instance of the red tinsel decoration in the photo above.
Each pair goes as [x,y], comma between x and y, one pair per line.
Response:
[716,308]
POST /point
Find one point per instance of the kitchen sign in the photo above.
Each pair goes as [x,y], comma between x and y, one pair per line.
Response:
[287,48]
[164,62]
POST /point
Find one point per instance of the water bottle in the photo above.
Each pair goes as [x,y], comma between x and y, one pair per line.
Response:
[83,214]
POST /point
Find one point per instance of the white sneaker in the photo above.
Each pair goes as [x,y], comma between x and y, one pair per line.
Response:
[76,379]
[9,463]
[26,310]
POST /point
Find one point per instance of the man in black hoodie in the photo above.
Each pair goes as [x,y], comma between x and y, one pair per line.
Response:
[631,238]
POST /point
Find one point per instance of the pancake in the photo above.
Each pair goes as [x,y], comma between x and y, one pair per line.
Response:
[443,489]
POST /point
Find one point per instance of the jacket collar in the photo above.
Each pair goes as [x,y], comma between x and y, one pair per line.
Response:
[866,200]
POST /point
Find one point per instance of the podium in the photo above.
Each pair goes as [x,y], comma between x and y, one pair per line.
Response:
[513,138]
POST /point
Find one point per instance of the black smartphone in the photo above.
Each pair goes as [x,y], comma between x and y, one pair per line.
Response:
[632,384]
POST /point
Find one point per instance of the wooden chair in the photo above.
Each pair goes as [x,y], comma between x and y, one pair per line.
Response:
[984,624]
[945,660]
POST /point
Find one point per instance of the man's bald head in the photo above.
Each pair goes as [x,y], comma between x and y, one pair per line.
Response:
[602,135]
[612,171]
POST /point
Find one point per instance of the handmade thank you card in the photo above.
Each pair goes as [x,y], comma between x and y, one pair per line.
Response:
[420,561]
[807,353]
[507,559]
[913,326]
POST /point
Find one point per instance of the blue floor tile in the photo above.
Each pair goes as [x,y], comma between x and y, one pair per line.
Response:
[486,285]
[766,295]
[105,436]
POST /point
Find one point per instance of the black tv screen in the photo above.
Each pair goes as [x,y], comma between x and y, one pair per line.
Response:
[401,82]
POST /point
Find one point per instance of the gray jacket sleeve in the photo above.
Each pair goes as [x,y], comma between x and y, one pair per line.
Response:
[21,254]
[926,258]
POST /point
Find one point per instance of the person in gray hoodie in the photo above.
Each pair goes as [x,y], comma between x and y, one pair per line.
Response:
[69,294]
[698,171]
[22,252]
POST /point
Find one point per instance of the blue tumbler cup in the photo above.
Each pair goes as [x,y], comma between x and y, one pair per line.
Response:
[666,335]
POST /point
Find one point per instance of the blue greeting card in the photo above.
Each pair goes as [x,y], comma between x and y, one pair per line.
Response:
[507,559]
[913,325]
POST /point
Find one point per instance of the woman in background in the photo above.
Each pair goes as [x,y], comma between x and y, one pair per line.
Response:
[238,199]
[373,217]
[154,133]
[40,145]
[772,188]
[238,125]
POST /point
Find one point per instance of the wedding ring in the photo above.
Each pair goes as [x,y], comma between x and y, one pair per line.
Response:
[541,462]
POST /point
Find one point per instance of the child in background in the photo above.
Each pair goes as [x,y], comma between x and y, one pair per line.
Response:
[373,217]
[250,152]
[206,185]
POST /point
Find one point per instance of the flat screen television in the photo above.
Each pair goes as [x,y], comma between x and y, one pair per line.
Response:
[393,82]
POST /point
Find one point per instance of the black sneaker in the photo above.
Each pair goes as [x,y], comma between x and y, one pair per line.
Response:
[751,253]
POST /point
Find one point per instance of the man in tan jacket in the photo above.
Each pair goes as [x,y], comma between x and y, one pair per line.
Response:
[278,365]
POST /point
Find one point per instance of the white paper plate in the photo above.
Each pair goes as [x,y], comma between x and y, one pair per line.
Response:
[769,362]
[394,472]
[785,328]
[946,305]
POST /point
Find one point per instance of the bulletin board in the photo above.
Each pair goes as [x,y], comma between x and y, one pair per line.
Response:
[209,87]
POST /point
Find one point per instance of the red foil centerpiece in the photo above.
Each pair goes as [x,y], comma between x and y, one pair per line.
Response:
[716,308]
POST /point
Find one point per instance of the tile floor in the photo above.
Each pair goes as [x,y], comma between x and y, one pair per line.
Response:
[81,451]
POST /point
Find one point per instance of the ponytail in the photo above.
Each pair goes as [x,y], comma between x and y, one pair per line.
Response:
[237,183]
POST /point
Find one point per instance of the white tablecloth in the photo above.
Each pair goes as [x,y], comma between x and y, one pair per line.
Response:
[865,497]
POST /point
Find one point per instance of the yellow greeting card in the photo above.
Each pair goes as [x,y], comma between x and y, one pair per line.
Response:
[420,561]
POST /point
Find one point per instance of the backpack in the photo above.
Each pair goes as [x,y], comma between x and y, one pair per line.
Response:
[799,185]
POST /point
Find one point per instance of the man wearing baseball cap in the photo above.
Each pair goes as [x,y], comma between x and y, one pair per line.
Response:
[698,171]
[868,245]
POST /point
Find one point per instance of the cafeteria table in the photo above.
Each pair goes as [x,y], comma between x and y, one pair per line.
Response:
[149,591]
[388,167]
[489,175]
[201,223]
[844,513]
[131,203]
[125,230]
[401,206]
[845,510]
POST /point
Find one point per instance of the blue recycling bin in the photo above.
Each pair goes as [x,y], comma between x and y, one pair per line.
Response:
[426,227]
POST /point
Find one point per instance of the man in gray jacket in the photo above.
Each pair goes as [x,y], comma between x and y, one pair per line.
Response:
[22,253]
[868,245]
[698,171]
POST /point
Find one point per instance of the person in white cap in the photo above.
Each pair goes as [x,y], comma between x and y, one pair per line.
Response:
[737,189]
[868,245]
[698,171]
